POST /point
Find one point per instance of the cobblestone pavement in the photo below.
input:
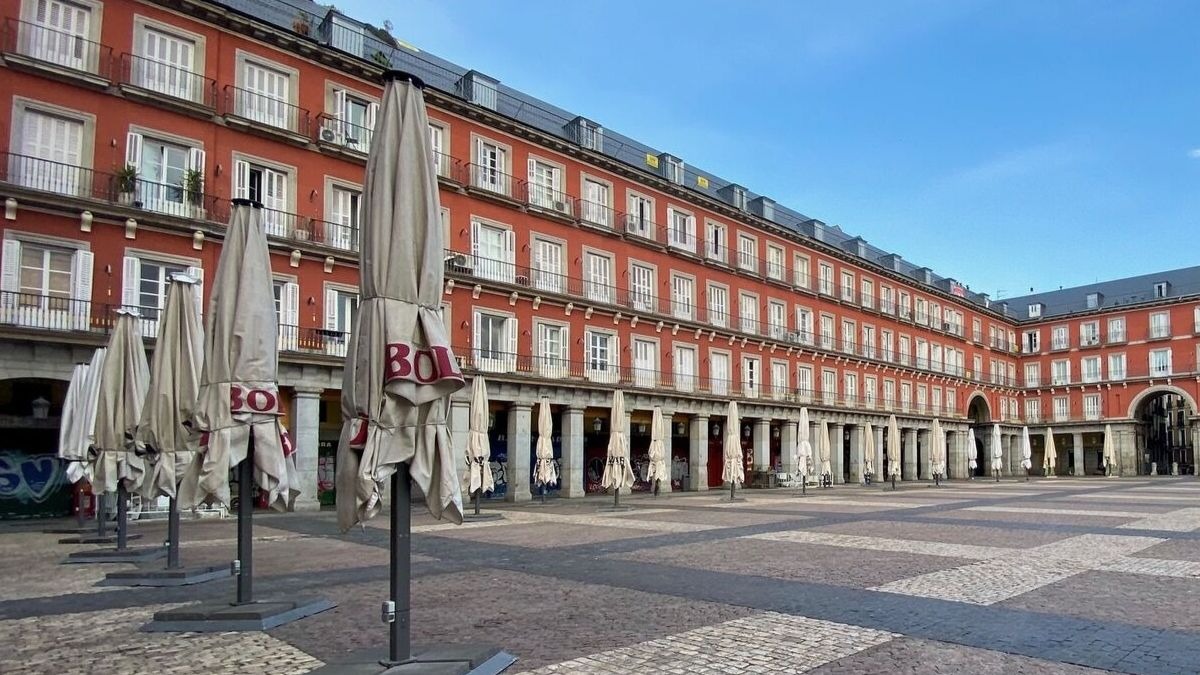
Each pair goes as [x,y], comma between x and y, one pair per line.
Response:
[1070,576]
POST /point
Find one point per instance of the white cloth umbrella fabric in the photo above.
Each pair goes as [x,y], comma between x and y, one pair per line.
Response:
[997,450]
[124,379]
[658,453]
[165,436]
[733,472]
[1026,450]
[826,449]
[972,451]
[617,471]
[1051,453]
[238,396]
[1109,456]
[478,448]
[544,473]
[804,449]
[869,450]
[893,447]
[937,450]
[399,371]
[79,417]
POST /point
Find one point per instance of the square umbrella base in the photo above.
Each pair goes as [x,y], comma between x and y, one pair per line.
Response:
[221,617]
[72,529]
[614,509]
[733,499]
[97,539]
[487,515]
[437,660]
[162,576]
[112,555]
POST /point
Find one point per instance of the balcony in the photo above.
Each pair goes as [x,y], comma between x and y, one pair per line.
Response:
[748,262]
[491,181]
[56,312]
[776,271]
[1086,341]
[554,202]
[32,44]
[1158,332]
[599,215]
[715,252]
[167,83]
[334,235]
[682,240]
[267,113]
[800,279]
[69,180]
[336,133]
[641,228]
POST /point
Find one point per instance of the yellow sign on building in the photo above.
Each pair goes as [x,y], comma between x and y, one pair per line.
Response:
[652,160]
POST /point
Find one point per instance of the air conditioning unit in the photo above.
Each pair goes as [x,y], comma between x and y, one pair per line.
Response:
[461,262]
[328,135]
[561,207]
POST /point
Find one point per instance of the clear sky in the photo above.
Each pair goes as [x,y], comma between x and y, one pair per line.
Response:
[1007,144]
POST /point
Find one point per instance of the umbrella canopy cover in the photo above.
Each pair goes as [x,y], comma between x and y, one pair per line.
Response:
[238,397]
[869,450]
[617,471]
[165,436]
[893,449]
[544,473]
[1109,457]
[972,451]
[733,470]
[1051,452]
[79,417]
[124,379]
[937,454]
[997,450]
[478,448]
[658,455]
[1026,450]
[804,449]
[826,448]
[400,370]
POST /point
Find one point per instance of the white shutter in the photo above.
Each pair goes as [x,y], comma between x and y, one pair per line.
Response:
[81,288]
[133,150]
[532,170]
[475,337]
[475,243]
[339,105]
[479,151]
[290,304]
[10,270]
[372,113]
[197,273]
[196,160]
[511,326]
[331,309]
[130,279]
[510,248]
[241,179]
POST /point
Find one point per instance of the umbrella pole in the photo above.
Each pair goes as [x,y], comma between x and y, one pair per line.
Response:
[173,534]
[617,498]
[399,648]
[803,485]
[245,528]
[100,514]
[79,508]
[732,488]
[122,516]
[478,496]
[543,493]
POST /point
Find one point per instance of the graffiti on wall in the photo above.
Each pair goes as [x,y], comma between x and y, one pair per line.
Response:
[30,479]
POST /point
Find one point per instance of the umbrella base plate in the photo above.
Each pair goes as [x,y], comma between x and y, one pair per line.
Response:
[97,539]
[614,509]
[220,617]
[180,576]
[76,530]
[733,499]
[438,660]
[473,518]
[112,555]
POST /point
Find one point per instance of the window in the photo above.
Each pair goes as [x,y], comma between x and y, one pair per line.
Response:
[829,387]
[674,170]
[1162,289]
[598,277]
[1058,338]
[951,401]
[1116,329]
[775,262]
[265,96]
[935,400]
[640,219]
[1035,310]
[545,186]
[868,293]
[777,319]
[548,265]
[270,187]
[748,313]
[1091,369]
[1093,300]
[885,300]
[922,354]
[714,241]
[905,350]
[804,383]
[551,350]
[1196,319]
[922,398]
[682,230]
[886,345]
[495,342]
[493,249]
[905,306]
[597,202]
[1160,362]
[977,364]
[164,64]
[353,123]
[1062,408]
[1089,333]
[826,279]
[683,297]
[905,396]
[345,217]
[751,376]
[976,334]
[341,309]
[51,148]
[889,394]
[869,393]
[45,285]
[800,272]
[144,285]
[1032,342]
[747,253]
[60,34]
[826,331]
[1091,406]
[935,358]
[1033,374]
[779,379]
[850,388]
[685,368]
[804,326]
[439,146]
[1033,410]
[1116,366]
[718,306]
[490,170]
[1160,325]
[642,288]
[645,363]
[868,342]
[847,287]
[287,313]
[849,340]
[162,168]
[719,373]
[1060,372]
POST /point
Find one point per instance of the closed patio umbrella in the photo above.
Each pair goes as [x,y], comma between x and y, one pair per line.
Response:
[893,449]
[869,451]
[479,463]
[1109,457]
[733,471]
[804,449]
[1026,452]
[658,456]
[79,424]
[1051,453]
[544,473]
[972,452]
[617,471]
[997,452]
[937,451]
[825,449]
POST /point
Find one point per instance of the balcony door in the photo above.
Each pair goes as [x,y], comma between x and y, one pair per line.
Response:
[59,34]
[165,65]
[51,152]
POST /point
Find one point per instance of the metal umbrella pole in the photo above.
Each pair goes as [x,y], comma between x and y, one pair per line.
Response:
[100,507]
[173,533]
[122,515]
[397,610]
[244,565]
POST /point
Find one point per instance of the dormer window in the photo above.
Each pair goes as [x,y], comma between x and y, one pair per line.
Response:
[1162,289]
[739,198]
[1035,310]
[1094,300]
[673,170]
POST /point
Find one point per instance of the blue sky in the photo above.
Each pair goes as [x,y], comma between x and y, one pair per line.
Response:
[1006,144]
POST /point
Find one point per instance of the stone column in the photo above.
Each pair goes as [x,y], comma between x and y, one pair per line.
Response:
[1195,448]
[665,486]
[306,420]
[698,453]
[880,456]
[924,465]
[856,453]
[951,455]
[787,447]
[908,469]
[1006,443]
[1077,451]
[572,453]
[517,469]
[761,445]
[835,453]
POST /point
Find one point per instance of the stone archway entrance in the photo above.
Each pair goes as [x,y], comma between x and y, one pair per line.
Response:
[33,480]
[1163,416]
[980,415]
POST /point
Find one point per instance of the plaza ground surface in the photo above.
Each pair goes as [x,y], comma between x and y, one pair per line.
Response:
[1047,576]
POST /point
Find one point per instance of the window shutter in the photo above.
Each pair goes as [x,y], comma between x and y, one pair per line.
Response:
[479,151]
[331,309]
[197,273]
[241,178]
[81,282]
[532,165]
[369,118]
[196,160]
[475,242]
[11,267]
[339,105]
[289,303]
[510,246]
[511,326]
[476,339]
[130,278]
[133,150]
[564,344]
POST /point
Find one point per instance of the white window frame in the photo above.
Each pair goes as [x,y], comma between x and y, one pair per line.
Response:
[1116,329]
[776,269]
[683,296]
[718,312]
[484,264]
[605,370]
[40,310]
[1117,366]
[495,360]
[681,229]
[1164,367]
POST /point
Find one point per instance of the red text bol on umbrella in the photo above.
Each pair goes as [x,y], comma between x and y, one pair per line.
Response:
[423,366]
[248,400]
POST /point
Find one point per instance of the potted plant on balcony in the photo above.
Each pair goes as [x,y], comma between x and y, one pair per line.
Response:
[126,179]
[193,191]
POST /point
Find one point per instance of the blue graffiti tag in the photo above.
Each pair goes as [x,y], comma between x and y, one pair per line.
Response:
[30,478]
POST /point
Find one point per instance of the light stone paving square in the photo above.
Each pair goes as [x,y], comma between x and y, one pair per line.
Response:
[1179,520]
[1134,498]
[1059,512]
[883,544]
[764,643]
[1160,568]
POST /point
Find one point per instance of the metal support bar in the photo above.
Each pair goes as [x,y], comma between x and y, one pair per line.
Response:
[173,534]
[245,528]
[399,645]
[122,515]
